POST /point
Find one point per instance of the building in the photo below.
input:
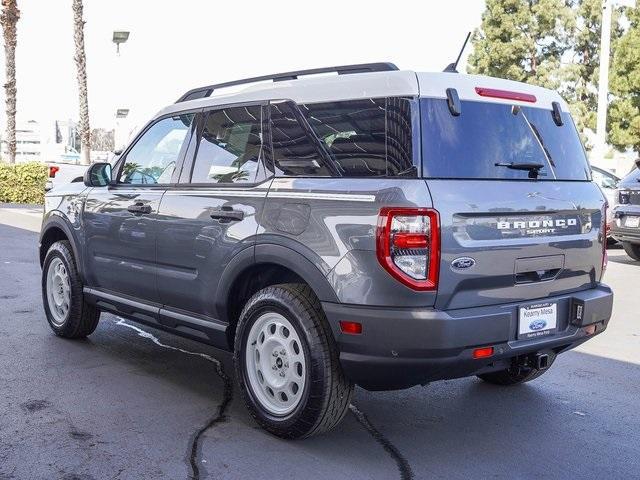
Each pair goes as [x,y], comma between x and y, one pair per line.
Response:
[56,141]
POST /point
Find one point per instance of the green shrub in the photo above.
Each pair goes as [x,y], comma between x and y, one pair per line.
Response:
[23,182]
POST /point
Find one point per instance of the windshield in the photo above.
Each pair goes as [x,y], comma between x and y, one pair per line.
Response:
[499,141]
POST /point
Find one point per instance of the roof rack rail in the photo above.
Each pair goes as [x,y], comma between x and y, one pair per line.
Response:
[202,92]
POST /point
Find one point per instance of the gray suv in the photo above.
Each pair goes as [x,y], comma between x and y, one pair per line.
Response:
[340,226]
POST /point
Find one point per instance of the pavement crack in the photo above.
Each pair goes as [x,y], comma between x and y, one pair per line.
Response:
[403,465]
[197,472]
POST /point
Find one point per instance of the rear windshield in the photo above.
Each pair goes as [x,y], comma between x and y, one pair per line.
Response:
[631,179]
[519,139]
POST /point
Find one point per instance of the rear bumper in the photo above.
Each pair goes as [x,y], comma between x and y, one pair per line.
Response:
[625,234]
[399,348]
[618,230]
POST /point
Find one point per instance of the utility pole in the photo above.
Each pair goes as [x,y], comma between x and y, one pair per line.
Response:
[603,79]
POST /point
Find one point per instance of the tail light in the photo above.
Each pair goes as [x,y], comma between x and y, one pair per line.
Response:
[604,230]
[408,245]
[624,197]
[53,170]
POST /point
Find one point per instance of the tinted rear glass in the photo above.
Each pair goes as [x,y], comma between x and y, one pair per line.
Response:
[370,137]
[631,179]
[470,145]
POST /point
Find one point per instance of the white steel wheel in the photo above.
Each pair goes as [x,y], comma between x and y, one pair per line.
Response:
[58,291]
[275,363]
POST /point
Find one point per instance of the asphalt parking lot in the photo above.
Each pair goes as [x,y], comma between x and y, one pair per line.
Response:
[133,403]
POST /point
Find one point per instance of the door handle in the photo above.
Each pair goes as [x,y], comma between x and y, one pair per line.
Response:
[139,207]
[227,214]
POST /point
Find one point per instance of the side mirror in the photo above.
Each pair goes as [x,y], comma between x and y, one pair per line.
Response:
[98,175]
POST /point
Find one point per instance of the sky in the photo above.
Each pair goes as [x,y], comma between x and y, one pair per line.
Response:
[177,45]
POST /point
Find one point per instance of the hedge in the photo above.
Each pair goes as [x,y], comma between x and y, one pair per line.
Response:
[23,182]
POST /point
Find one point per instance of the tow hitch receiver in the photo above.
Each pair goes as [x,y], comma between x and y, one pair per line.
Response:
[541,361]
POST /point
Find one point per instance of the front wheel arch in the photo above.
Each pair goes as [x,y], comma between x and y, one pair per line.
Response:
[56,229]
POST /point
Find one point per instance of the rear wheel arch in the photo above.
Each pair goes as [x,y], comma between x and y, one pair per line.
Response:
[270,265]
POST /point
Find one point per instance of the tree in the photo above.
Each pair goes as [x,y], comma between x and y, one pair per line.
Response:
[9,20]
[81,65]
[102,140]
[523,40]
[624,110]
[552,43]
[580,72]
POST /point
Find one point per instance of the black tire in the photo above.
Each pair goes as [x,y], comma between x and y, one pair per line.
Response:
[327,392]
[515,375]
[81,318]
[632,249]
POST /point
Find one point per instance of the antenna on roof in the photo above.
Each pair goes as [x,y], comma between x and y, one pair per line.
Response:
[452,66]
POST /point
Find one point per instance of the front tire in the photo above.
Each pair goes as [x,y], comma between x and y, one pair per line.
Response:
[287,363]
[632,249]
[68,314]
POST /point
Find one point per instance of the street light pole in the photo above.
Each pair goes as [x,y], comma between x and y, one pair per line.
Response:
[603,79]
[120,127]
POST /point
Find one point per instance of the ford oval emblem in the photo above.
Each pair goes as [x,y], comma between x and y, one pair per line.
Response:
[463,263]
[537,325]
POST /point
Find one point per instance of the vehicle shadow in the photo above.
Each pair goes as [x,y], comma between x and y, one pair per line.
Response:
[467,428]
[450,429]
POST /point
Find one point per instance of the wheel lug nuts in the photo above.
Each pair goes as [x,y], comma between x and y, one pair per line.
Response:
[282,352]
[282,374]
[274,367]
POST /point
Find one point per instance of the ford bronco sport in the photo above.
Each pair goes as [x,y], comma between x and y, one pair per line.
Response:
[375,227]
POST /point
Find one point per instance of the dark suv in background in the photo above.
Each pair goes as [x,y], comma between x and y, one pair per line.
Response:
[625,226]
[376,227]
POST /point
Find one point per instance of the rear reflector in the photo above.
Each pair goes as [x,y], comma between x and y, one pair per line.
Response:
[352,328]
[483,352]
[505,94]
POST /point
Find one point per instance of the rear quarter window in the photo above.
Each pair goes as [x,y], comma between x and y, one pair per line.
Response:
[370,137]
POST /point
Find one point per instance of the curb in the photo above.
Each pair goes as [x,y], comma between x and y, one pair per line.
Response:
[20,205]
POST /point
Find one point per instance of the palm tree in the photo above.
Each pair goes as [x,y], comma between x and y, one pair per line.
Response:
[81,64]
[9,18]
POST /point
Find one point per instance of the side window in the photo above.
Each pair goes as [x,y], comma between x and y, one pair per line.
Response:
[370,137]
[230,148]
[605,180]
[153,158]
[293,152]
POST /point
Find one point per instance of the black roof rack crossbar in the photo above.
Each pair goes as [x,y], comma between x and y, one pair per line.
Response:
[202,92]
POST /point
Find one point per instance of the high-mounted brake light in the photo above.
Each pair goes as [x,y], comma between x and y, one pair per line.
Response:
[505,94]
[408,245]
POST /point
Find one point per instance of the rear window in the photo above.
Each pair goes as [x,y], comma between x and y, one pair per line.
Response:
[485,134]
[631,179]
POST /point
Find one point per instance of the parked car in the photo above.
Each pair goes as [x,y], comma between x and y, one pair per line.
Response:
[608,182]
[377,227]
[626,214]
[63,173]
